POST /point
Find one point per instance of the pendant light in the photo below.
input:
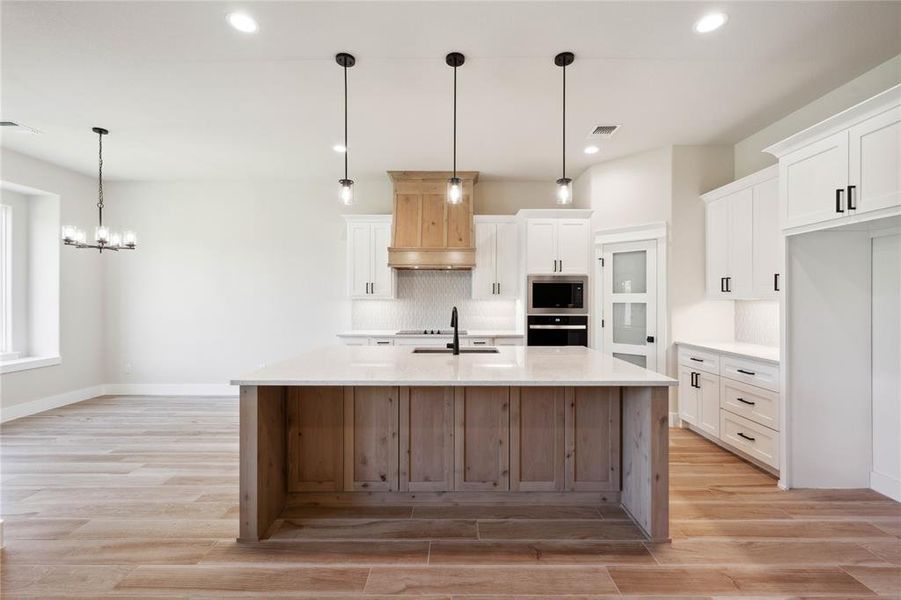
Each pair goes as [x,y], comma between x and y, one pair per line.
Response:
[103,238]
[346,191]
[455,184]
[564,184]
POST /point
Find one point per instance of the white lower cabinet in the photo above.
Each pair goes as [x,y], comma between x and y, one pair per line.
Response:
[732,399]
[751,438]
[699,402]
[430,341]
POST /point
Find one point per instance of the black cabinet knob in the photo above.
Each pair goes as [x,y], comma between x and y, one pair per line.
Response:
[650,339]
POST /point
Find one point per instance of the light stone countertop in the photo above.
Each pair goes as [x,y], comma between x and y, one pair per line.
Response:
[397,365]
[756,351]
[470,333]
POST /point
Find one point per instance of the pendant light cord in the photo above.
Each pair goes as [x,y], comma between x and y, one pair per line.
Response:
[100,178]
[346,150]
[564,121]
[455,122]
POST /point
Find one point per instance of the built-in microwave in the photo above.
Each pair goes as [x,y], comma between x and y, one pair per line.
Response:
[558,295]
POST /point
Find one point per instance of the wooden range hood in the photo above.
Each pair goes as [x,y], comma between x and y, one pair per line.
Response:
[427,232]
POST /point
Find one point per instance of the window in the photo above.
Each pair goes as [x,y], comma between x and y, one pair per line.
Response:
[29,278]
[6,315]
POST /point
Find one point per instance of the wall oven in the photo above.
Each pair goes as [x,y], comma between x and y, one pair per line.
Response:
[557,330]
[557,295]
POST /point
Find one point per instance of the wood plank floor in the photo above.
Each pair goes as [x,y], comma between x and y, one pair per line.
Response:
[137,498]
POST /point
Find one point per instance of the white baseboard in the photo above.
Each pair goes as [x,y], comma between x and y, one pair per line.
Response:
[32,407]
[25,409]
[171,389]
[885,485]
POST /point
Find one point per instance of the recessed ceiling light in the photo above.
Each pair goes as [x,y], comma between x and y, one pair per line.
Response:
[339,148]
[591,150]
[710,22]
[242,22]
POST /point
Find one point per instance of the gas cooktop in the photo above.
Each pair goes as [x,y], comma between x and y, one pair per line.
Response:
[429,332]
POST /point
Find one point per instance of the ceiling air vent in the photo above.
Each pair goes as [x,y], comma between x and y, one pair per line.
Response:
[604,131]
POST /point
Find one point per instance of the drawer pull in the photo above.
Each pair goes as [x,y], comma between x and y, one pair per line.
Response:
[743,372]
[746,401]
[697,359]
[479,343]
[747,437]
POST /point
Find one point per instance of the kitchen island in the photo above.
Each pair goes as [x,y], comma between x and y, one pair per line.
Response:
[363,425]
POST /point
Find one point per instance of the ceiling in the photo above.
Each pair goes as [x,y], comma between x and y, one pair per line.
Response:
[187,97]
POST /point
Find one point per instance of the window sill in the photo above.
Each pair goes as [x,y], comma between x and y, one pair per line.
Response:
[30,362]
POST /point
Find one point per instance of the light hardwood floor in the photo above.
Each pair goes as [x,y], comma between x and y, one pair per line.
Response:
[137,498]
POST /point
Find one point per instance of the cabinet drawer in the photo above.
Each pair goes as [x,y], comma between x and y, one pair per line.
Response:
[700,360]
[751,438]
[754,403]
[750,371]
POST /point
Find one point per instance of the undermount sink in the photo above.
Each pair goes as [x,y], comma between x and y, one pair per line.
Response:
[468,350]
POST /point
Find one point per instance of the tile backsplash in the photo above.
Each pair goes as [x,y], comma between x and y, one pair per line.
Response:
[757,322]
[424,301]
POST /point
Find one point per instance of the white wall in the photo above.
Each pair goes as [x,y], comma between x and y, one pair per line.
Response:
[231,275]
[18,204]
[665,185]
[81,289]
[627,191]
[749,157]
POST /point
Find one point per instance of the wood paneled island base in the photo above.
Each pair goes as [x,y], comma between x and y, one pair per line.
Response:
[362,445]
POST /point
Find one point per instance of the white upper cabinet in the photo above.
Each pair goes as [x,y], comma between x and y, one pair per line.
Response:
[557,246]
[744,238]
[768,257]
[844,170]
[813,182]
[368,273]
[495,273]
[572,246]
[874,152]
[541,250]
[718,224]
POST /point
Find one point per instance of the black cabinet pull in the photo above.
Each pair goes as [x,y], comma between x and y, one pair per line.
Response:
[650,339]
[694,380]
[838,200]
[747,437]
[729,284]
[746,401]
[742,371]
[776,282]
[851,205]
[367,287]
[696,359]
[493,287]
[498,288]
[722,284]
[561,265]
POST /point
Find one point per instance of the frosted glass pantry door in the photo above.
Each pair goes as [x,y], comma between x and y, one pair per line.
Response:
[630,302]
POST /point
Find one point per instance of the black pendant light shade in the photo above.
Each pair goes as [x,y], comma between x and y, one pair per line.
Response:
[564,184]
[455,184]
[346,191]
[104,239]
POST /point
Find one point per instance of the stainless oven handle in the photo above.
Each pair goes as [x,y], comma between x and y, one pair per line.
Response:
[558,326]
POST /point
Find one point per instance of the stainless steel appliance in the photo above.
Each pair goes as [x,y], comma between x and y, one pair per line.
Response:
[557,330]
[557,295]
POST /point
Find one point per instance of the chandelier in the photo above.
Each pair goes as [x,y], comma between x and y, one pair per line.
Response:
[104,239]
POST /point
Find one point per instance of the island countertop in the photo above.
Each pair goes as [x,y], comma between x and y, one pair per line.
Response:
[398,365]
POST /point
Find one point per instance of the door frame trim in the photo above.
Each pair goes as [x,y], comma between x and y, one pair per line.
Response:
[656,232]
